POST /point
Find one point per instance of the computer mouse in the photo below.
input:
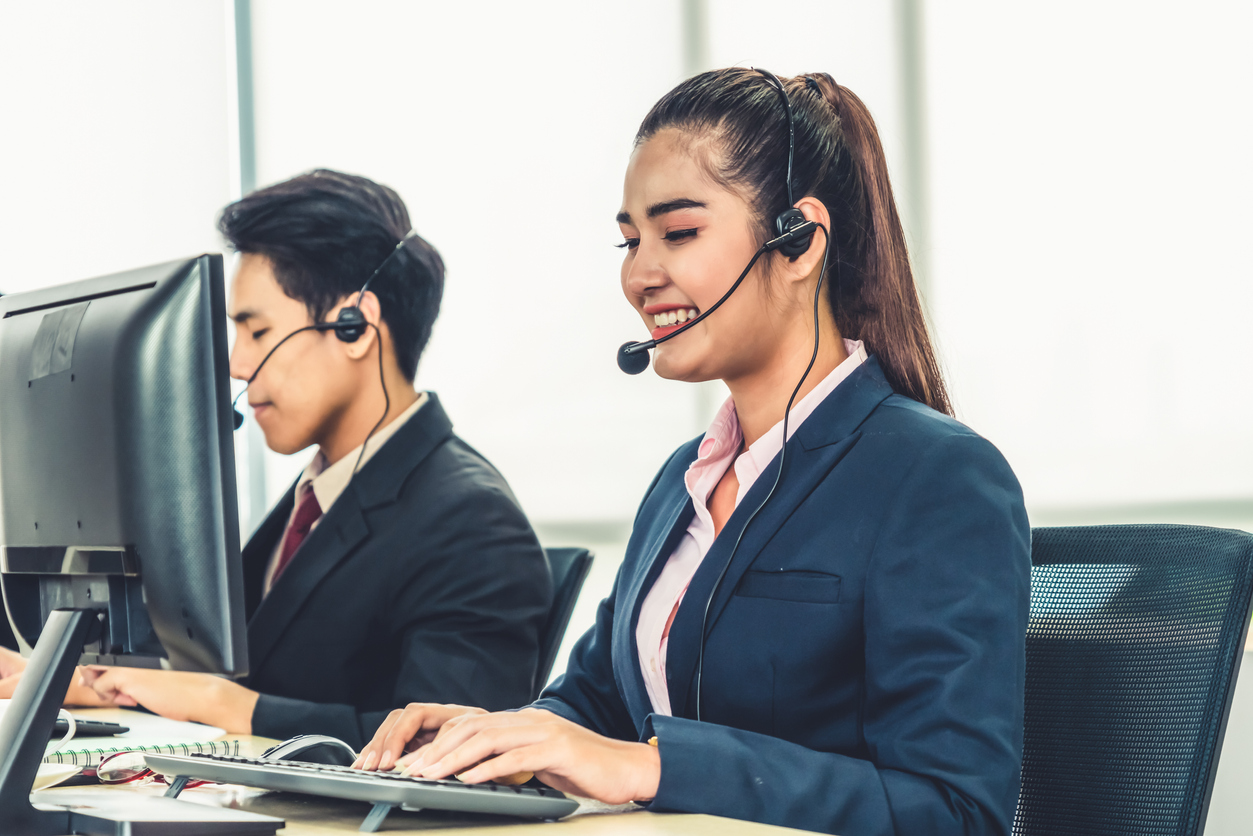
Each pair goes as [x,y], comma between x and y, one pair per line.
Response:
[312,748]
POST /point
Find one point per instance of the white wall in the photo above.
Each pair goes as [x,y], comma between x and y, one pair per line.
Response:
[115,141]
[506,128]
[1092,289]
[508,133]
[1089,178]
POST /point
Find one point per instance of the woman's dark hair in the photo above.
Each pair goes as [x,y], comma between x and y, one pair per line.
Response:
[838,160]
[325,232]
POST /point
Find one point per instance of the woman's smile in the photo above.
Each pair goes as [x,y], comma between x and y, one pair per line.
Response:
[668,318]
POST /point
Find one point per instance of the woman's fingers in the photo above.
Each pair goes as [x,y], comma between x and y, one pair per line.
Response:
[385,737]
[457,731]
[411,723]
[526,760]
[483,744]
[417,722]
[451,735]
[405,761]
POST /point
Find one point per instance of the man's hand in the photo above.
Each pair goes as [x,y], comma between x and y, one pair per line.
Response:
[13,664]
[198,697]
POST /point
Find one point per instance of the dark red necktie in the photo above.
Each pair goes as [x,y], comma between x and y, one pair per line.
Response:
[304,518]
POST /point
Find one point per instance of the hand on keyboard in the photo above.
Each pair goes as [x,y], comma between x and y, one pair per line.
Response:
[407,731]
[481,747]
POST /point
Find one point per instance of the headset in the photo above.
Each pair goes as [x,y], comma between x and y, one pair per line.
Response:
[349,327]
[794,237]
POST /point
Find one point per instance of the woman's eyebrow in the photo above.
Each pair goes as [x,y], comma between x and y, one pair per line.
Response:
[664,207]
[673,206]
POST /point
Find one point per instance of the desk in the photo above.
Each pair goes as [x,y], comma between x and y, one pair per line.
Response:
[308,815]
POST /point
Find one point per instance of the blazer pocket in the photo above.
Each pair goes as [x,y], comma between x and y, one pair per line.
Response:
[806,587]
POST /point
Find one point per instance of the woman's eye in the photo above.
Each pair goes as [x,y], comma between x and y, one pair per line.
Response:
[256,335]
[628,244]
[680,234]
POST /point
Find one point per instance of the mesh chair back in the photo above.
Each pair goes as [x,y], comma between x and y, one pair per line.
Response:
[1135,637]
[569,567]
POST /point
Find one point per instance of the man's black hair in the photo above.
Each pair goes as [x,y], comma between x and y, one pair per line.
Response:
[325,232]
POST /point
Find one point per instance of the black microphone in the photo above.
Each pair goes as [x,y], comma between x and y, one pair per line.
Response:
[633,356]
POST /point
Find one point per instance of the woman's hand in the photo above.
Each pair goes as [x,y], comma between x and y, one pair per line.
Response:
[13,664]
[406,730]
[178,695]
[562,754]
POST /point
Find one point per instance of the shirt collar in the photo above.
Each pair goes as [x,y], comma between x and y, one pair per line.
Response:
[762,451]
[328,482]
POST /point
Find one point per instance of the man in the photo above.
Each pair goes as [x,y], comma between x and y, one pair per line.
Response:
[402,572]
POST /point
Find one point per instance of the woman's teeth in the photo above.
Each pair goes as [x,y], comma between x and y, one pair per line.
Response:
[675,316]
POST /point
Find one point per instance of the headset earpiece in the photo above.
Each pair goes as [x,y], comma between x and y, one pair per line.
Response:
[351,324]
[348,326]
[785,223]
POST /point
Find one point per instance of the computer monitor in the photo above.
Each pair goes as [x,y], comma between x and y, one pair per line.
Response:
[119,532]
[117,473]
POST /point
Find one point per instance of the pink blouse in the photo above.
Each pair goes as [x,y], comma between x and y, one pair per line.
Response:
[721,443]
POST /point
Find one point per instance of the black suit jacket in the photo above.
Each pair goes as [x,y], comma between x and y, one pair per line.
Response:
[423,582]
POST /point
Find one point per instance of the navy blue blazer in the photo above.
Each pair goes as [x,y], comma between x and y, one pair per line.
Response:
[864,667]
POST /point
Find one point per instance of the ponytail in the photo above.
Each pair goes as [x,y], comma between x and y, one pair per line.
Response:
[840,161]
[878,303]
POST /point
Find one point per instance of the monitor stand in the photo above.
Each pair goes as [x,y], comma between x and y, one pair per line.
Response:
[24,735]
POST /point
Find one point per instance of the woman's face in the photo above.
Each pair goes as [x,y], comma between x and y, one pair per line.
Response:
[687,240]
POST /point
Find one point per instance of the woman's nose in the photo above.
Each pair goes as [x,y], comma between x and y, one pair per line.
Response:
[644,276]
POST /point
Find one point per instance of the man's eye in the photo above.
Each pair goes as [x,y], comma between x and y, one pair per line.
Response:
[680,234]
[628,244]
[256,335]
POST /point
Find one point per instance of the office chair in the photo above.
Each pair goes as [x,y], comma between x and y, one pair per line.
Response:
[569,567]
[1134,641]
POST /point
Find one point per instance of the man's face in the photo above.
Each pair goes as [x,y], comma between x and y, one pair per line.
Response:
[301,393]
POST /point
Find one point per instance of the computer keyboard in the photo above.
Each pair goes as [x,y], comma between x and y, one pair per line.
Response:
[383,789]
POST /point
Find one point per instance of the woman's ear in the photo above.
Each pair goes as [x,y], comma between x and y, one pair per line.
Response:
[806,265]
[370,309]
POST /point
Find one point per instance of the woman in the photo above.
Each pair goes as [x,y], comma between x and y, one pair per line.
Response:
[863,658]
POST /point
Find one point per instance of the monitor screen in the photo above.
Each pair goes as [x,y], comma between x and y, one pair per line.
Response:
[117,471]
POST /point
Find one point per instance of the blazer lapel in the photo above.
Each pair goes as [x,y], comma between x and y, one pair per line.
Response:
[343,527]
[260,547]
[814,449]
[339,531]
[672,513]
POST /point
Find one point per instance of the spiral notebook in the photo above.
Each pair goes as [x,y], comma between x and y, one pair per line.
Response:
[148,733]
[93,756]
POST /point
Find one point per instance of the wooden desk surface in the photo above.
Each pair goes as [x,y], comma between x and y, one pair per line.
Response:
[307,815]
